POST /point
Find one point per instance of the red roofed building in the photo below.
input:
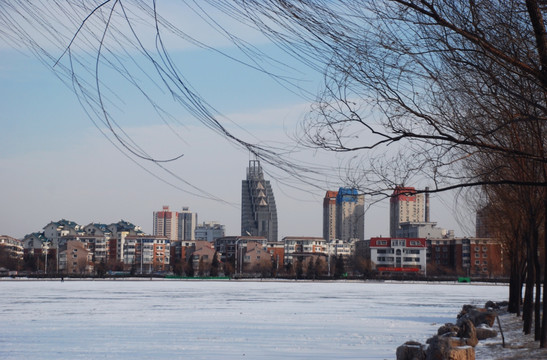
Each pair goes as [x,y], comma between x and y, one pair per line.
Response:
[398,255]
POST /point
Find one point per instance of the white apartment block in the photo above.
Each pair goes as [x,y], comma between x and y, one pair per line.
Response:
[398,255]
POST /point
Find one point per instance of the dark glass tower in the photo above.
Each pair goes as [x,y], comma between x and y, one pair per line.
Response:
[258,211]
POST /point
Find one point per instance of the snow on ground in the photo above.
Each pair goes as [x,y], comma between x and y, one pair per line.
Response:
[225,319]
[517,345]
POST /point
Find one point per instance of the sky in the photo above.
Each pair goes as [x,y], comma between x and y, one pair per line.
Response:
[56,163]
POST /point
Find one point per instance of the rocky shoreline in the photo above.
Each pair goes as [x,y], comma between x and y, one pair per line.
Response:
[488,333]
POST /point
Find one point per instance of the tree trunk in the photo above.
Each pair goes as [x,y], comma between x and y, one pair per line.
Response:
[528,306]
[515,285]
[543,339]
[537,271]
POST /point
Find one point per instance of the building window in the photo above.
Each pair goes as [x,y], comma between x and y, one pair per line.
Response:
[485,255]
[477,262]
[484,248]
[477,255]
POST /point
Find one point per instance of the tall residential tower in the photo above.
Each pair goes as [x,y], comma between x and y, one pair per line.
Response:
[329,215]
[165,223]
[187,222]
[406,206]
[258,210]
[350,215]
[343,215]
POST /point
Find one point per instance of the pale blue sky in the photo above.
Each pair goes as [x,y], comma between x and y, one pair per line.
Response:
[55,164]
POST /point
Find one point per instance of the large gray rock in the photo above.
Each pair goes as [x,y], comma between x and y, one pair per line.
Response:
[477,316]
[495,305]
[485,333]
[411,350]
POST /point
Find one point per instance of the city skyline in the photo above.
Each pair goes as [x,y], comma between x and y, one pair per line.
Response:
[57,164]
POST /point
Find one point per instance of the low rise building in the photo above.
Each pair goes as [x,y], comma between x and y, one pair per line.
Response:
[202,257]
[422,229]
[146,254]
[398,255]
[302,246]
[257,258]
[75,258]
[11,247]
[277,252]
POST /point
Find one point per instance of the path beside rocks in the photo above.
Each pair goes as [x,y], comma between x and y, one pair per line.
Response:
[517,345]
[476,336]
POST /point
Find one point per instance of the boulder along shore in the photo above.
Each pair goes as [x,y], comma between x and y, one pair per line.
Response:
[476,335]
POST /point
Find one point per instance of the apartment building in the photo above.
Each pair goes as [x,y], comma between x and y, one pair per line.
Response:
[302,246]
[12,248]
[186,224]
[393,255]
[329,215]
[146,253]
[405,206]
[75,258]
[165,223]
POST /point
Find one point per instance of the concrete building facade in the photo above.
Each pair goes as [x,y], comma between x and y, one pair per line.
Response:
[405,206]
[165,223]
[398,255]
[302,246]
[75,258]
[329,215]
[350,215]
[186,224]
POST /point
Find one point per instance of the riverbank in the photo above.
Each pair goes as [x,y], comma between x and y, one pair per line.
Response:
[517,345]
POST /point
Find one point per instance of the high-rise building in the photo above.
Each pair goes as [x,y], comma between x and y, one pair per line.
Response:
[187,222]
[350,215]
[165,223]
[329,215]
[258,210]
[405,206]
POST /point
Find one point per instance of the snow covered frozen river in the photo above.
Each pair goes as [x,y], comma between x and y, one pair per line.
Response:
[225,319]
